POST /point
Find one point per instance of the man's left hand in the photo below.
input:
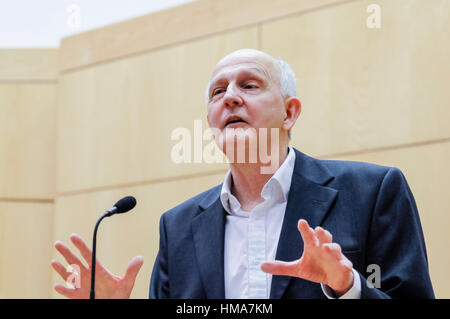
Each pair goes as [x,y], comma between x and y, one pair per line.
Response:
[322,261]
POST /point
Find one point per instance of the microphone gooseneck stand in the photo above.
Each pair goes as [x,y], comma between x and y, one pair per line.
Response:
[122,206]
[94,258]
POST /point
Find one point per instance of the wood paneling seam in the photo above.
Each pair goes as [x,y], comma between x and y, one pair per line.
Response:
[27,200]
[206,35]
[387,148]
[140,183]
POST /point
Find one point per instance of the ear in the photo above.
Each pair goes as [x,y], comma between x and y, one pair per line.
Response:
[293,109]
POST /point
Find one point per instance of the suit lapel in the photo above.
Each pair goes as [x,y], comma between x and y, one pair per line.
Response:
[308,199]
[208,231]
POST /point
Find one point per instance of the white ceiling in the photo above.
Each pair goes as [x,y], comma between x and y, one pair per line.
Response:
[42,23]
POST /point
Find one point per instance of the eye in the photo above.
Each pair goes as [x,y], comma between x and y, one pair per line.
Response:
[250,86]
[218,91]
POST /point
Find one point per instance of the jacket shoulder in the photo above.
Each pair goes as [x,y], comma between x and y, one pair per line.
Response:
[323,171]
[363,177]
[363,169]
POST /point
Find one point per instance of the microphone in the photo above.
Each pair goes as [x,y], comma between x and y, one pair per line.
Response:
[122,206]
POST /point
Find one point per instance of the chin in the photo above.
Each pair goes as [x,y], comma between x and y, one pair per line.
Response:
[239,145]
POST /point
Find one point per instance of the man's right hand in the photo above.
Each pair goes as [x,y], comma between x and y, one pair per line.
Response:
[107,285]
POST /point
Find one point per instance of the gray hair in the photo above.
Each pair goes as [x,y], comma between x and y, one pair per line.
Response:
[288,82]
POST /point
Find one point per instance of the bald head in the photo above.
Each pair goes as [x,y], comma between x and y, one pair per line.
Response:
[267,62]
[252,53]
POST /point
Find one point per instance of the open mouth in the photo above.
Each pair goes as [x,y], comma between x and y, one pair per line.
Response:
[234,121]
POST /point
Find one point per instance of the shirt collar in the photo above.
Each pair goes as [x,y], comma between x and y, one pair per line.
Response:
[277,186]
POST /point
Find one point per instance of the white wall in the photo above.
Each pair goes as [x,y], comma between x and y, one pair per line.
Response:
[41,24]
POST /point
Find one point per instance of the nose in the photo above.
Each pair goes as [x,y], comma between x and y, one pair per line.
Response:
[231,98]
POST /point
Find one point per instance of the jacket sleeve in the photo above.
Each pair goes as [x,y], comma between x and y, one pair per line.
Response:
[396,244]
[159,282]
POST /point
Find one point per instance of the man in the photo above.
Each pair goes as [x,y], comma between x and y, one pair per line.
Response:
[307,229]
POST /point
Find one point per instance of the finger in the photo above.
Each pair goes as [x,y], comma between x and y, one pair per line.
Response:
[60,269]
[84,249]
[68,255]
[346,263]
[67,292]
[132,269]
[333,249]
[323,235]
[307,233]
[280,268]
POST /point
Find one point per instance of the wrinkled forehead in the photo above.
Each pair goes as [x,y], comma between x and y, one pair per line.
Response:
[260,64]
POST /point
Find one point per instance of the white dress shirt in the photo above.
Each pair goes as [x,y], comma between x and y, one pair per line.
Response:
[252,237]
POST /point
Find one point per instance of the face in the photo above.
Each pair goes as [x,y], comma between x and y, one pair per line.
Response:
[245,93]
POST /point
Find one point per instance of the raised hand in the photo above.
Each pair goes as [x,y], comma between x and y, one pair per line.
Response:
[107,285]
[322,261]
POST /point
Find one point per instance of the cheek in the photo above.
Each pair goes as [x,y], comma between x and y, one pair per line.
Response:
[267,112]
[213,115]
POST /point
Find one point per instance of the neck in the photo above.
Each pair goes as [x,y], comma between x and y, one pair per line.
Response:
[248,180]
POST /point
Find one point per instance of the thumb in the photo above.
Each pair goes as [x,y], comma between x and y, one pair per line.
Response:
[281,268]
[133,268]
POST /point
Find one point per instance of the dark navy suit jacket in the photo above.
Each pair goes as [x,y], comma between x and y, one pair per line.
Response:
[369,210]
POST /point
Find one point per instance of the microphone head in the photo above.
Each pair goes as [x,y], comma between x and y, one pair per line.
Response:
[125,204]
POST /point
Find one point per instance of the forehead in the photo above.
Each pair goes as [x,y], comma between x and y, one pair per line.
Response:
[258,65]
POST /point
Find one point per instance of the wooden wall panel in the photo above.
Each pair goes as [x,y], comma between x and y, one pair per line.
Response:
[28,94]
[365,88]
[115,120]
[27,140]
[26,237]
[176,25]
[426,170]
[122,237]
